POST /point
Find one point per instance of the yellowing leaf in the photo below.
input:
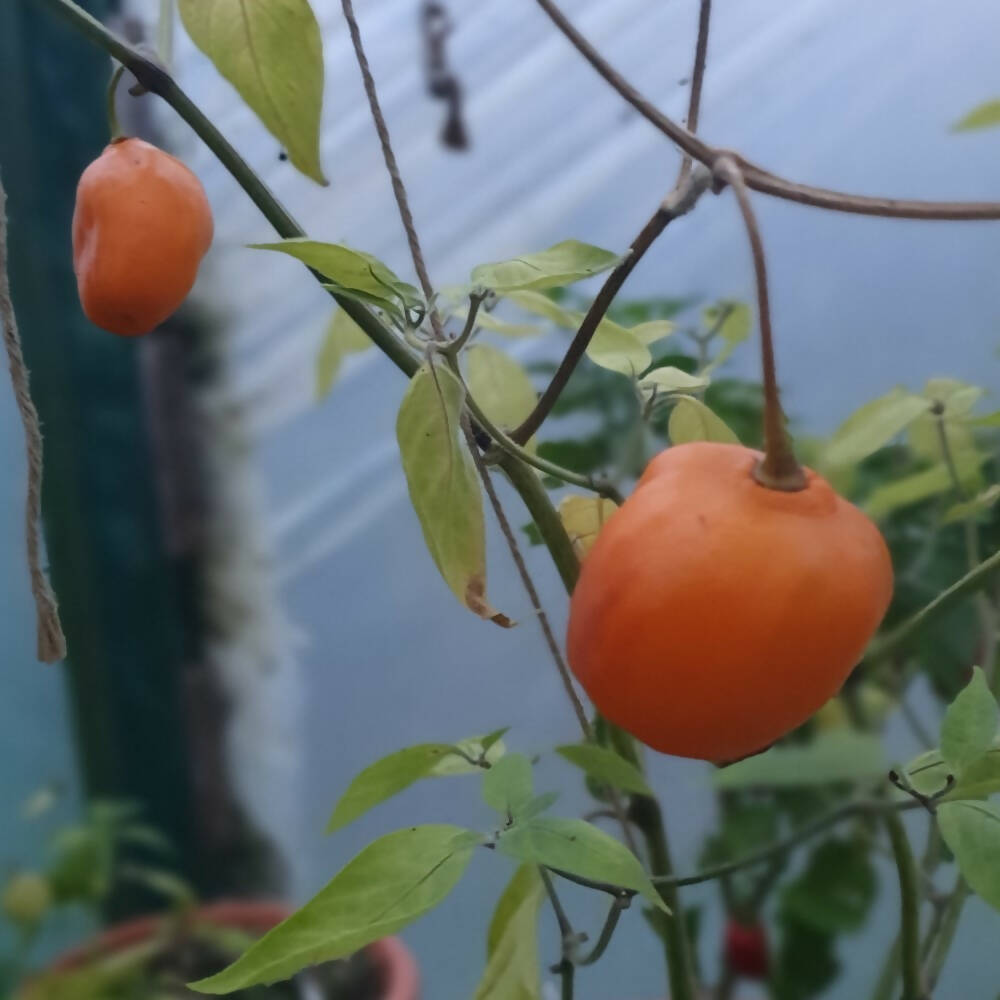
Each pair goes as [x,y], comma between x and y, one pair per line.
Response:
[668,379]
[986,115]
[583,517]
[343,337]
[619,350]
[692,420]
[499,385]
[443,485]
[272,53]
[652,330]
[561,264]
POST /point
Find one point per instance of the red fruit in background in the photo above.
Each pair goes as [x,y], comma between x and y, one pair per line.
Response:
[746,949]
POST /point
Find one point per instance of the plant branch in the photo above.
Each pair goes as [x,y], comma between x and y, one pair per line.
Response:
[618,904]
[568,937]
[910,905]
[941,945]
[676,204]
[883,646]
[398,188]
[756,177]
[779,469]
[697,79]
[806,832]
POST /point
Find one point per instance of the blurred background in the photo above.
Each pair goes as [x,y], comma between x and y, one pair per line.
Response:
[252,616]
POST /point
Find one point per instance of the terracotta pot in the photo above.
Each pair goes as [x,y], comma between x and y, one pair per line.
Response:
[399,973]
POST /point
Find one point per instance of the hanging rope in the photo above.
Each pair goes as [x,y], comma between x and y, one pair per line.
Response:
[51,641]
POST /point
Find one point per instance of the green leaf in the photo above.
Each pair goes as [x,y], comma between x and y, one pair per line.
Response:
[475,748]
[957,397]
[652,330]
[619,350]
[692,420]
[273,55]
[508,784]
[443,485]
[920,486]
[385,778]
[837,889]
[343,337]
[972,832]
[834,756]
[536,806]
[490,322]
[875,424]
[512,968]
[970,723]
[561,264]
[928,774]
[583,517]
[735,327]
[391,883]
[667,379]
[605,765]
[970,508]
[580,848]
[491,739]
[986,115]
[350,270]
[499,385]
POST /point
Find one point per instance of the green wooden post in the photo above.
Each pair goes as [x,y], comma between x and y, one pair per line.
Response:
[129,606]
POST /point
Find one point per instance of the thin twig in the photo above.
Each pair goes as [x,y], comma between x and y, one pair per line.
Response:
[756,177]
[697,79]
[800,836]
[941,945]
[51,644]
[529,585]
[398,188]
[910,908]
[673,207]
[779,468]
[618,904]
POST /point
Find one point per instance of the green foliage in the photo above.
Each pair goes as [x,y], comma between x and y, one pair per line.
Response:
[972,832]
[500,386]
[985,115]
[508,784]
[391,883]
[692,420]
[392,775]
[873,426]
[512,968]
[343,337]
[606,766]
[834,756]
[354,274]
[970,724]
[928,774]
[561,264]
[579,848]
[443,484]
[273,55]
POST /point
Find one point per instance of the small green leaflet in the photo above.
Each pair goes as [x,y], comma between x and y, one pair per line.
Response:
[343,337]
[512,968]
[970,508]
[970,724]
[972,832]
[352,271]
[662,381]
[391,883]
[273,55]
[921,485]
[986,115]
[579,848]
[614,347]
[491,748]
[443,485]
[692,420]
[499,385]
[929,772]
[834,756]
[507,785]
[390,776]
[605,765]
[561,264]
[874,425]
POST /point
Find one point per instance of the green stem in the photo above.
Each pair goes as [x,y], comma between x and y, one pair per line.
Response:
[946,932]
[645,813]
[114,125]
[885,985]
[910,907]
[973,580]
[525,480]
[607,931]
